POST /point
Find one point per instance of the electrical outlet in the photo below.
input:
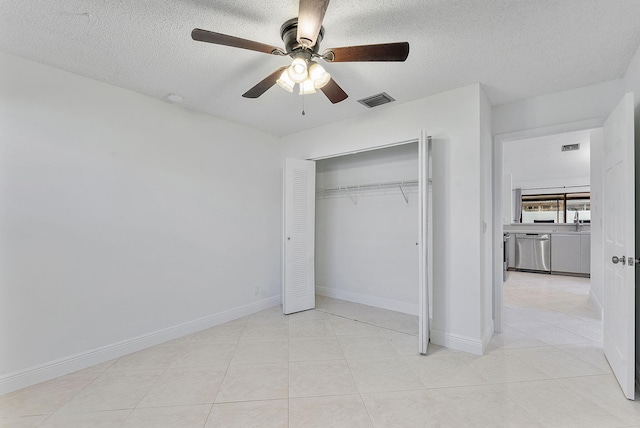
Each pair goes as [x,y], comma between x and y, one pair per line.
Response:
[256,290]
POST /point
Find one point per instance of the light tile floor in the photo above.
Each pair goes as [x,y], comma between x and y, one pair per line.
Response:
[350,365]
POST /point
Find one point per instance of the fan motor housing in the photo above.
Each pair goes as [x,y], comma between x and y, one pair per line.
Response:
[289,35]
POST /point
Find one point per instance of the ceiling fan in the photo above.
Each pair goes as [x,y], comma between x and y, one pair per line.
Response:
[302,37]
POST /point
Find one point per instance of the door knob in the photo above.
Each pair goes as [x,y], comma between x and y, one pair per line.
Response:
[616,259]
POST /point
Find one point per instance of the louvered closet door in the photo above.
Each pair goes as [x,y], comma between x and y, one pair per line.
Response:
[298,285]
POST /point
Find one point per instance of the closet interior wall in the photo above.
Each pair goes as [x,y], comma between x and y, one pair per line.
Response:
[367,228]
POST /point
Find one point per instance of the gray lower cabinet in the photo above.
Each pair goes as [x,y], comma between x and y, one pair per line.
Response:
[565,253]
[571,253]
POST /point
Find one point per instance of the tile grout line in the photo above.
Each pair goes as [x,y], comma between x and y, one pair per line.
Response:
[367,323]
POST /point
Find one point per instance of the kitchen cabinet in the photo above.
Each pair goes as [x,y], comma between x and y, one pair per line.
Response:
[571,253]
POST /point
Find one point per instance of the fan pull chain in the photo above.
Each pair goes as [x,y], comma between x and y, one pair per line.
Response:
[303,113]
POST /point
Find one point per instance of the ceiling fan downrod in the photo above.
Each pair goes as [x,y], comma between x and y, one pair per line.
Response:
[289,34]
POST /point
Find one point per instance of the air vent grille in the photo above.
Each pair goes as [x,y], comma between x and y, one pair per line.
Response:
[570,147]
[376,100]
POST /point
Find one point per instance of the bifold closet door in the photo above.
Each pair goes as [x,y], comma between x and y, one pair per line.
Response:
[425,246]
[298,246]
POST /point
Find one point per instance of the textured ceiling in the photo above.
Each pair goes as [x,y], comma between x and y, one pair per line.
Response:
[515,48]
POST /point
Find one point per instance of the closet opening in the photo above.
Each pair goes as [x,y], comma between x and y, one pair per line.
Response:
[366,240]
[357,233]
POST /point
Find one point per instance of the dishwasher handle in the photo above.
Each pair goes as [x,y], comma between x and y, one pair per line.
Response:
[536,236]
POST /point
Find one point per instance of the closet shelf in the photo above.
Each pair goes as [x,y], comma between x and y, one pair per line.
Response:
[371,186]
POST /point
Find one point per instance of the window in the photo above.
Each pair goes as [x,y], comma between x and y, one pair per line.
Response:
[556,208]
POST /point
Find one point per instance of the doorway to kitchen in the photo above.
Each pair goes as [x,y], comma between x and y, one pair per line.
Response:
[550,215]
[549,193]
[547,207]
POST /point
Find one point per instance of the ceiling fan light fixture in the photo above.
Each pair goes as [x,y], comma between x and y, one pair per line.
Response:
[307,87]
[319,75]
[302,36]
[298,70]
[285,82]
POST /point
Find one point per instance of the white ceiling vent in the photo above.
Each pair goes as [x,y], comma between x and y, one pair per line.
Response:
[376,100]
[570,147]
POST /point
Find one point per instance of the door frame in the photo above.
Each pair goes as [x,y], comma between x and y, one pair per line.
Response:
[424,291]
[498,201]
[362,150]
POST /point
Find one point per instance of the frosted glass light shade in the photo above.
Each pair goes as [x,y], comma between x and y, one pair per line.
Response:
[319,75]
[298,70]
[307,87]
[285,82]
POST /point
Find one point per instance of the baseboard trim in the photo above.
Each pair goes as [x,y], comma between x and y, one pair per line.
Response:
[486,337]
[378,302]
[457,342]
[41,373]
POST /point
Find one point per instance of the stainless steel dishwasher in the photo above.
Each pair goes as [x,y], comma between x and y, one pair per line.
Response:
[533,251]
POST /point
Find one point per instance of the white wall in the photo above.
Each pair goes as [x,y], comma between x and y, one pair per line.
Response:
[508,198]
[538,165]
[453,120]
[632,78]
[573,105]
[366,239]
[124,221]
[597,236]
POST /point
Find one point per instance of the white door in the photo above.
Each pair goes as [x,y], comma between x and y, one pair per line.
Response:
[619,246]
[424,243]
[298,276]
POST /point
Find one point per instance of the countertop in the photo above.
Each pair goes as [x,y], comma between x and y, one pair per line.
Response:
[560,228]
[550,232]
